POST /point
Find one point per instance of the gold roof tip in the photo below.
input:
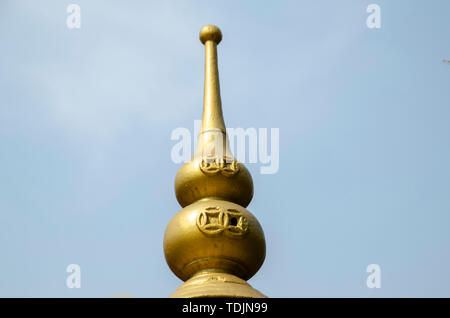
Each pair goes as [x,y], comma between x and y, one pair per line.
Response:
[214,244]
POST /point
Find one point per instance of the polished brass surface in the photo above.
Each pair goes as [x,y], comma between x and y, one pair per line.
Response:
[216,177]
[214,243]
[189,248]
[192,184]
[214,284]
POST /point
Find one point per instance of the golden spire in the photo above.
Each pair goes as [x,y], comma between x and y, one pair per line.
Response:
[210,36]
[214,244]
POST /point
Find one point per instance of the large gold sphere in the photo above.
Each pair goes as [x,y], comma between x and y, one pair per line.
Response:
[193,184]
[214,235]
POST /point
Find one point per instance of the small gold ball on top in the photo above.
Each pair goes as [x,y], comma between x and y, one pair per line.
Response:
[210,33]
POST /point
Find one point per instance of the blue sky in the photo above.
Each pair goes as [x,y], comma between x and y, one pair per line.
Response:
[86,117]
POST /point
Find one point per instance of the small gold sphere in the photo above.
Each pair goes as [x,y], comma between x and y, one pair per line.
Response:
[193,184]
[214,236]
[210,32]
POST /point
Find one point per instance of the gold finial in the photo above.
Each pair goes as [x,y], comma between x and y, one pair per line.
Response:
[213,171]
[214,243]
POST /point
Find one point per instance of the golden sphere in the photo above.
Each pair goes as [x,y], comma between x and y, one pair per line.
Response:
[192,184]
[210,32]
[214,235]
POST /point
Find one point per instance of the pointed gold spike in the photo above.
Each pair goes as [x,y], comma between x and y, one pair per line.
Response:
[210,36]
[213,142]
[213,171]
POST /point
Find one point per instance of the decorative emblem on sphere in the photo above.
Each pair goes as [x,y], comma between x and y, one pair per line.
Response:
[213,165]
[215,220]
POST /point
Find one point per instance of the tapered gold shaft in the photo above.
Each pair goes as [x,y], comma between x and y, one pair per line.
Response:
[212,105]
